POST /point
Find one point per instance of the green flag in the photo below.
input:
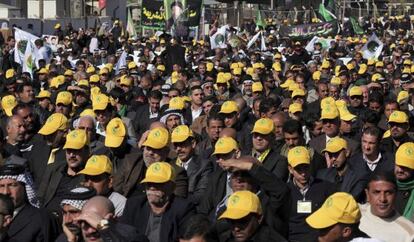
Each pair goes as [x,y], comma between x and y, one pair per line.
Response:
[259,20]
[327,16]
[356,27]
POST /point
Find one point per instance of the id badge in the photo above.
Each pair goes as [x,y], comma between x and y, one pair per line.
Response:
[304,207]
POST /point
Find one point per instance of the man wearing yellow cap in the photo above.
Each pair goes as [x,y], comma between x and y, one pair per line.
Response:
[379,216]
[356,101]
[244,213]
[338,219]
[63,176]
[162,212]
[184,143]
[262,138]
[307,193]
[49,148]
[339,172]
[98,176]
[133,165]
[398,125]
[404,172]
[64,103]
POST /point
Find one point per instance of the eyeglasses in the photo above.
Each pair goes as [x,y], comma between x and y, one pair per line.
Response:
[356,97]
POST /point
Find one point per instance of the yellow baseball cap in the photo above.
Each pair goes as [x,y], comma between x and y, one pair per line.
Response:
[94,78]
[225,145]
[44,94]
[174,77]
[100,102]
[64,98]
[157,138]
[76,139]
[90,70]
[87,112]
[209,66]
[176,103]
[276,66]
[257,87]
[258,65]
[316,76]
[229,107]
[125,80]
[240,204]
[263,126]
[97,165]
[370,62]
[402,95]
[379,64]
[237,71]
[295,107]
[375,77]
[109,66]
[181,133]
[405,155]
[345,115]
[83,83]
[398,117]
[407,62]
[43,71]
[362,69]
[8,103]
[355,91]
[298,92]
[329,112]
[57,26]
[10,73]
[325,64]
[161,67]
[159,172]
[287,83]
[336,80]
[103,71]
[328,101]
[277,56]
[335,144]
[68,73]
[298,155]
[132,65]
[115,133]
[55,122]
[340,207]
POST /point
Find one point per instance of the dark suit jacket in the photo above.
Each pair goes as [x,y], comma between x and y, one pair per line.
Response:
[50,182]
[319,144]
[39,156]
[141,121]
[388,145]
[137,212]
[31,224]
[132,171]
[353,182]
[276,164]
[198,173]
[386,163]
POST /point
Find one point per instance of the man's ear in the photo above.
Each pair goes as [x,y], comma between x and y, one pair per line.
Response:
[193,143]
[110,183]
[346,232]
[348,153]
[7,221]
[260,218]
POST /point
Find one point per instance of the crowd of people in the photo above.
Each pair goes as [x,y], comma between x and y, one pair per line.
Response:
[156,139]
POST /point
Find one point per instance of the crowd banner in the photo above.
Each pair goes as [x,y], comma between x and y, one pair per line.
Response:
[373,48]
[307,31]
[153,14]
[181,15]
[218,40]
[25,49]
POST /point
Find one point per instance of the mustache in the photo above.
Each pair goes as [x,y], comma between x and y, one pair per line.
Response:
[155,193]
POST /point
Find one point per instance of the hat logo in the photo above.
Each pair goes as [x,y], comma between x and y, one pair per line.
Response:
[50,119]
[395,114]
[409,151]
[93,160]
[10,101]
[74,134]
[156,168]
[177,130]
[328,202]
[114,130]
[234,200]
[298,151]
[157,133]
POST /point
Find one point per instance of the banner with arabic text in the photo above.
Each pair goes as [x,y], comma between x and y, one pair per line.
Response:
[152,14]
[307,31]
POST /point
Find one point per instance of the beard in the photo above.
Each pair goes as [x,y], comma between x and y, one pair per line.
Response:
[157,198]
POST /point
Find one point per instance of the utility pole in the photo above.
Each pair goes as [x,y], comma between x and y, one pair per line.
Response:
[41,16]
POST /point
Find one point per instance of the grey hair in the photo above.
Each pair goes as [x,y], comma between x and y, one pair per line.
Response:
[77,121]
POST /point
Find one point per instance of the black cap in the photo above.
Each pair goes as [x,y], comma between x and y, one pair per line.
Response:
[11,169]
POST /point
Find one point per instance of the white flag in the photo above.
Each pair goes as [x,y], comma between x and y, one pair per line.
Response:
[218,40]
[253,40]
[373,48]
[19,48]
[27,65]
[121,62]
[263,43]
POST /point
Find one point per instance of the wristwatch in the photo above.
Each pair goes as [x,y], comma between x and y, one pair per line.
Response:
[103,224]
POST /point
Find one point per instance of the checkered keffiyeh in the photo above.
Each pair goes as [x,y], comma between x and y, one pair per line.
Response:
[29,186]
[77,201]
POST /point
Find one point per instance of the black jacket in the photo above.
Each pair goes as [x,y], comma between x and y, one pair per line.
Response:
[198,173]
[353,182]
[137,212]
[388,145]
[318,191]
[386,163]
[263,234]
[31,224]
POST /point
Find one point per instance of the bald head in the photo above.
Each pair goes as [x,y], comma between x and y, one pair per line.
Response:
[157,124]
[278,120]
[228,132]
[100,205]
